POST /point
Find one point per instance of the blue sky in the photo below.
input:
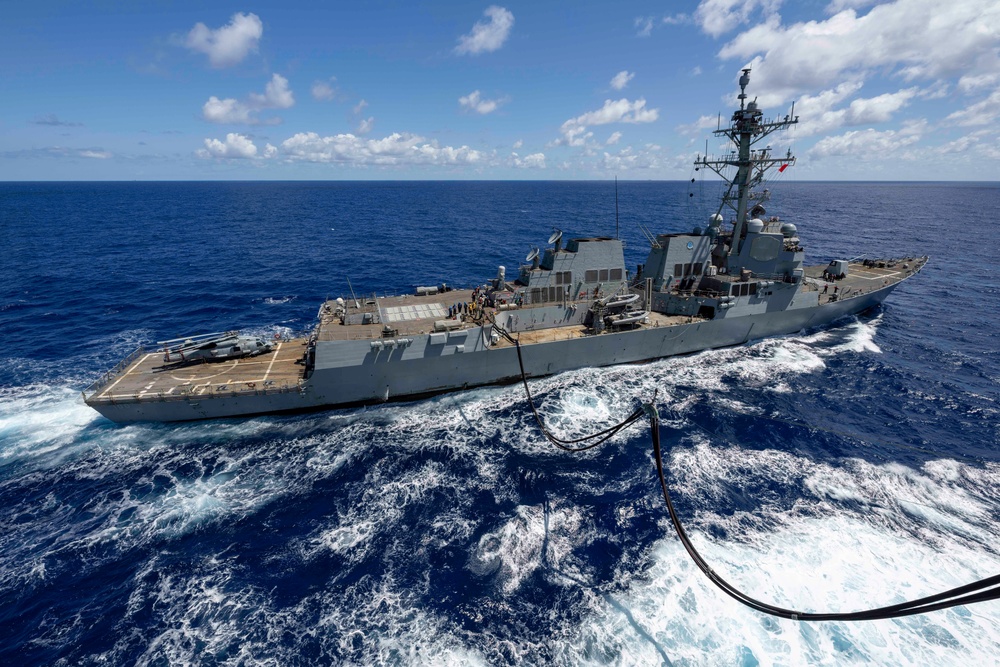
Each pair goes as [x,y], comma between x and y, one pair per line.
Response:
[152,90]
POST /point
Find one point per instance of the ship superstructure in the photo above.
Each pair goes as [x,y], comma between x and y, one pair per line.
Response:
[570,306]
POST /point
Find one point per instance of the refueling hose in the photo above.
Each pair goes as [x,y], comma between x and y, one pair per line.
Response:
[979,591]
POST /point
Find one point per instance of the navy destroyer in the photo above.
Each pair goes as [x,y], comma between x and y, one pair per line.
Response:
[741,277]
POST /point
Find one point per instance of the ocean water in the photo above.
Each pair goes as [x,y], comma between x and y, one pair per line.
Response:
[830,470]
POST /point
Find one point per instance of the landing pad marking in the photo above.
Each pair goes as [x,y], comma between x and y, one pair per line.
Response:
[206,377]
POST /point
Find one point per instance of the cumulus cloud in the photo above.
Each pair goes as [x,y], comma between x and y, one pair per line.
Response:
[721,16]
[230,44]
[971,83]
[983,112]
[225,111]
[236,146]
[533,161]
[820,113]
[613,139]
[621,79]
[647,157]
[277,95]
[323,90]
[365,126]
[909,38]
[517,144]
[869,143]
[575,132]
[393,150]
[474,101]
[360,106]
[487,36]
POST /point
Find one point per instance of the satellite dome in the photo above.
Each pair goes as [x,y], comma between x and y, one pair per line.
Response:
[788,230]
[755,226]
[714,220]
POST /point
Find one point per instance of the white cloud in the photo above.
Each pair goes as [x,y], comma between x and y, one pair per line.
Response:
[365,126]
[517,144]
[533,161]
[475,102]
[225,111]
[236,146]
[643,26]
[574,130]
[819,113]
[394,150]
[621,79]
[270,151]
[699,126]
[229,44]
[97,155]
[971,83]
[487,36]
[878,109]
[613,139]
[868,144]
[629,158]
[276,95]
[983,112]
[322,90]
[360,106]
[618,111]
[840,5]
[721,16]
[909,38]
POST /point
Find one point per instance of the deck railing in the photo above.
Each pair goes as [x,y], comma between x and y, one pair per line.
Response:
[210,391]
[113,373]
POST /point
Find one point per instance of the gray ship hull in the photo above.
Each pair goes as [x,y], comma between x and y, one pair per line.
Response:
[351,373]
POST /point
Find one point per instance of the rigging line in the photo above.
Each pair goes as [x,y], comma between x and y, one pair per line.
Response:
[563,443]
[979,591]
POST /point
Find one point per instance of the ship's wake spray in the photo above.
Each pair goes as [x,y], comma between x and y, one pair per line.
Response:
[978,591]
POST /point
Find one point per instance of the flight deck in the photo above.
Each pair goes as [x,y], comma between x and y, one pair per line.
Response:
[147,377]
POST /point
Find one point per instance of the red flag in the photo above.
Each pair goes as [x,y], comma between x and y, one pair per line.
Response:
[783,167]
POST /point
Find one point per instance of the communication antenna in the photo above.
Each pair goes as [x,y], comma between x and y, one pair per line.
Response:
[555,238]
[532,255]
[616,207]
[353,296]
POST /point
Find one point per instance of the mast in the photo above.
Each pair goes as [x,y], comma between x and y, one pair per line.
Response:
[748,126]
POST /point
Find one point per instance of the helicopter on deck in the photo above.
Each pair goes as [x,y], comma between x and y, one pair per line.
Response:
[213,347]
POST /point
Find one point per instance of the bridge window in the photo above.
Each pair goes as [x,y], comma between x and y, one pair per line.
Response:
[616,274]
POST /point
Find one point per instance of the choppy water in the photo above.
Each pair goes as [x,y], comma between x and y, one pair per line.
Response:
[447,531]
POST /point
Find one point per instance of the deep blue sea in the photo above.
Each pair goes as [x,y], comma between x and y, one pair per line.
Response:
[831,470]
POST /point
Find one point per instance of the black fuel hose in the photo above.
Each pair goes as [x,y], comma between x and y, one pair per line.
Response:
[979,591]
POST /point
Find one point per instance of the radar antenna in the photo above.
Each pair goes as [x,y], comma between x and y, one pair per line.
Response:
[748,126]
